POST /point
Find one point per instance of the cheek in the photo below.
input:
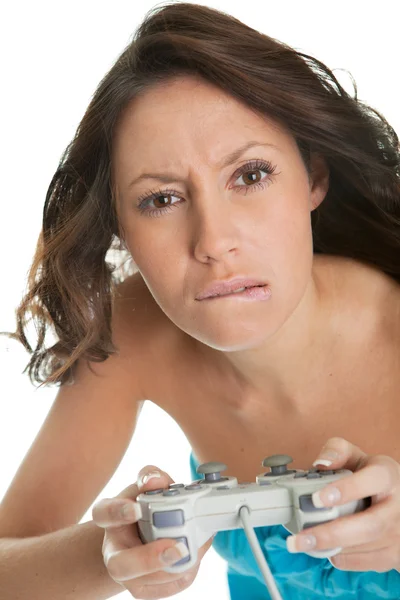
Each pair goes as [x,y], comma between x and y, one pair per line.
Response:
[151,251]
[288,256]
[286,234]
[158,263]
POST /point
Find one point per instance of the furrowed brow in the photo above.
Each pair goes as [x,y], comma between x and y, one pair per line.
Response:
[228,160]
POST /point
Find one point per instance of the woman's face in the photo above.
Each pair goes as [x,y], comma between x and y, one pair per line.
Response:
[208,221]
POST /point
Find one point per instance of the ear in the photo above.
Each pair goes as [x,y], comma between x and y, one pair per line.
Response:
[318,179]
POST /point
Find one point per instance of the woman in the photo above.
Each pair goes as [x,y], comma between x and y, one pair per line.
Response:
[216,156]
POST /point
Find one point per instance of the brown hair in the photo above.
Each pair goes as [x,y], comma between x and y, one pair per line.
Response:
[71,283]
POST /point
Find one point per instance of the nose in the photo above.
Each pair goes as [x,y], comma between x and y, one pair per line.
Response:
[215,230]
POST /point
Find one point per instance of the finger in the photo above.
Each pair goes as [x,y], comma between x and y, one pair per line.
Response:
[142,559]
[340,453]
[162,576]
[151,576]
[145,475]
[381,560]
[171,588]
[374,546]
[154,474]
[121,510]
[115,512]
[380,476]
[374,524]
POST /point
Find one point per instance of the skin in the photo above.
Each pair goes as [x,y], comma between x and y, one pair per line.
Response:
[214,230]
[321,312]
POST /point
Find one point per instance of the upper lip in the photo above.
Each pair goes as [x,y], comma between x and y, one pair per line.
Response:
[217,288]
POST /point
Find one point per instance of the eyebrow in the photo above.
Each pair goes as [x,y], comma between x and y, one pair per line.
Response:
[228,160]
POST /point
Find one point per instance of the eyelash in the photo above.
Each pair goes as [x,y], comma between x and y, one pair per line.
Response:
[261,165]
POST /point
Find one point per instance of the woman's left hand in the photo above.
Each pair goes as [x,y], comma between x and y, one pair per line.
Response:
[370,540]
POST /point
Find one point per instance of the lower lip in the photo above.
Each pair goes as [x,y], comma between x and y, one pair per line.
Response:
[253,293]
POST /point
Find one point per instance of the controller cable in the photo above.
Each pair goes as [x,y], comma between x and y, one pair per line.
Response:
[244,513]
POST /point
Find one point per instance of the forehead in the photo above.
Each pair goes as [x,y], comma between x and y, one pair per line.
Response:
[188,118]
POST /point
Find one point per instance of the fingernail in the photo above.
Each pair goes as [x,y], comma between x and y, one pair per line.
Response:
[131,511]
[326,458]
[326,496]
[175,553]
[146,478]
[300,543]
[151,475]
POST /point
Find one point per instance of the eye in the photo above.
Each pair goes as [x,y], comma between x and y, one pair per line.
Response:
[249,167]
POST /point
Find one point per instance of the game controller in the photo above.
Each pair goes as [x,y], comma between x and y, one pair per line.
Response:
[193,513]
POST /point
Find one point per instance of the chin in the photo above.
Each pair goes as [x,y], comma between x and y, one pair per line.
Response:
[229,338]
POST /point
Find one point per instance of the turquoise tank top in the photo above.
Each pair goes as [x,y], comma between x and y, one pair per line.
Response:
[298,576]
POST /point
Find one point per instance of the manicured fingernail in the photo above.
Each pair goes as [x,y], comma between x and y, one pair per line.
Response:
[300,543]
[175,553]
[146,478]
[151,475]
[326,458]
[132,511]
[326,497]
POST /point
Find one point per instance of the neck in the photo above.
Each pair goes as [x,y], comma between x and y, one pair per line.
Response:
[298,353]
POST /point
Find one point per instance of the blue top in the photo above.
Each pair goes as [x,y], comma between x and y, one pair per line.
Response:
[298,576]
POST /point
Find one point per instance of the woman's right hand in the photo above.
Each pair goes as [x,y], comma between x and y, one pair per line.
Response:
[136,566]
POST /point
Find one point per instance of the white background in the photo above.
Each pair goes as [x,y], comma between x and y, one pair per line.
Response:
[53,55]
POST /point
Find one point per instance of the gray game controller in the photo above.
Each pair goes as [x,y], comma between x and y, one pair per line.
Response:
[193,513]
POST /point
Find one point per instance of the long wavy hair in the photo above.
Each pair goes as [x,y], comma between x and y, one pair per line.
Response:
[71,282]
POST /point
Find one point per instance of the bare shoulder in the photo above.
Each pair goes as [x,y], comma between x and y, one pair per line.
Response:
[128,327]
[370,295]
[381,292]
[141,330]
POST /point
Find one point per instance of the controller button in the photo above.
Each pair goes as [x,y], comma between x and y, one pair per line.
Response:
[298,475]
[220,480]
[193,486]
[151,492]
[307,505]
[211,471]
[223,487]
[287,472]
[176,485]
[170,492]
[327,473]
[168,518]
[264,482]
[278,464]
[313,476]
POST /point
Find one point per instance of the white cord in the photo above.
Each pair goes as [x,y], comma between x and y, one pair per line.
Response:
[244,513]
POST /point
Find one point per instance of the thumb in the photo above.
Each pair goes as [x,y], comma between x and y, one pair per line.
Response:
[152,478]
[338,453]
[149,477]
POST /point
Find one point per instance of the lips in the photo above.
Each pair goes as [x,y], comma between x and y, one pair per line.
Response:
[243,288]
[222,288]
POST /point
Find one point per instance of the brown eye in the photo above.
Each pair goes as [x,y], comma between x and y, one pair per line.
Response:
[248,171]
